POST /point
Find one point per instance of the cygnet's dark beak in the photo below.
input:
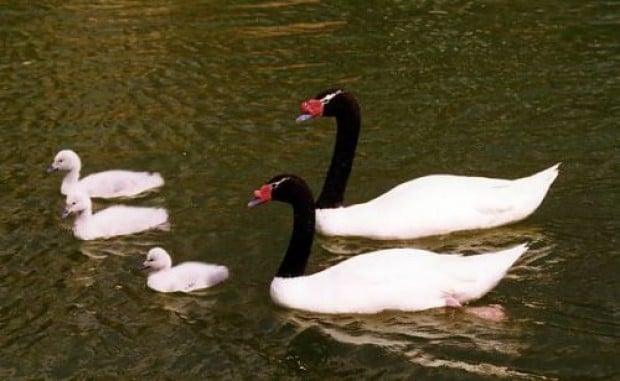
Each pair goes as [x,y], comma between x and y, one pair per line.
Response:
[51,169]
[65,212]
[144,267]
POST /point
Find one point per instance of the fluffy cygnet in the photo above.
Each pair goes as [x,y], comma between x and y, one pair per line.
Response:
[113,221]
[107,184]
[184,277]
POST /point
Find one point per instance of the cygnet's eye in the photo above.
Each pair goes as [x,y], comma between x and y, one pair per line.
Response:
[73,203]
[60,160]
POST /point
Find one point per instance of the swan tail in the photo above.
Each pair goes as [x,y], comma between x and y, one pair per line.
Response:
[533,189]
[542,179]
[147,218]
[491,267]
[145,182]
[163,215]
[218,276]
[506,258]
[155,180]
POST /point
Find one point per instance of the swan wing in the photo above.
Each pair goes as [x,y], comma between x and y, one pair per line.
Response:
[187,277]
[439,204]
[395,279]
[122,220]
[119,183]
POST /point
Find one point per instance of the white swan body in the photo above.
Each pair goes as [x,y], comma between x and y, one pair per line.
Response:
[184,277]
[107,184]
[431,205]
[395,279]
[439,204]
[113,221]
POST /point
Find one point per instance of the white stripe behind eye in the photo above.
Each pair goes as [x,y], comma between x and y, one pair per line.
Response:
[326,99]
[277,183]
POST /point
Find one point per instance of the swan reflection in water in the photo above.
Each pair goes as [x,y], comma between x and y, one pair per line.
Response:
[127,246]
[419,337]
[479,241]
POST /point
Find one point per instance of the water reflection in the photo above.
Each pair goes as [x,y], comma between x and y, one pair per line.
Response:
[291,29]
[541,243]
[275,4]
[85,273]
[121,247]
[421,338]
[190,308]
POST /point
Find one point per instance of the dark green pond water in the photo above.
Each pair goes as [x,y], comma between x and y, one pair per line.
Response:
[206,92]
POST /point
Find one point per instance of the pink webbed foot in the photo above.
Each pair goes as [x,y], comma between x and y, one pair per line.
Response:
[492,312]
[452,302]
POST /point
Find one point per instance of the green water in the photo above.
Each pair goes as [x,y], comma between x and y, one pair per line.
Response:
[206,93]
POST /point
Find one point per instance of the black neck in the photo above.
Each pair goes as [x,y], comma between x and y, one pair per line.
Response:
[300,245]
[348,120]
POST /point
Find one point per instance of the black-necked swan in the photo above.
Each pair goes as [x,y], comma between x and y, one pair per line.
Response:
[392,279]
[426,206]
[106,184]
[113,221]
[184,277]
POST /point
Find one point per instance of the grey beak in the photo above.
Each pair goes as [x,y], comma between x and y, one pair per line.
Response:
[65,213]
[255,202]
[51,168]
[303,117]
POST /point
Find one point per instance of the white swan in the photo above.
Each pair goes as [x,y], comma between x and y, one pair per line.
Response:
[393,279]
[107,184]
[426,206]
[184,277]
[112,221]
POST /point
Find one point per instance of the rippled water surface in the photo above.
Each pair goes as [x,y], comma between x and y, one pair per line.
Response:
[206,93]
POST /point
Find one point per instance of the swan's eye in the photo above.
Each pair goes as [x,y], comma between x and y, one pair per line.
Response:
[73,203]
[60,161]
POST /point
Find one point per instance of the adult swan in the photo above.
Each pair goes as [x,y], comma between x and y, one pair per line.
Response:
[426,206]
[392,279]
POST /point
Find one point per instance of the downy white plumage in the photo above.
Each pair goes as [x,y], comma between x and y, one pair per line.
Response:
[393,279]
[107,184]
[184,277]
[426,206]
[113,221]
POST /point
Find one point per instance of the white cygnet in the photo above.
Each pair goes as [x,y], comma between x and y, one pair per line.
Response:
[184,277]
[112,221]
[107,184]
